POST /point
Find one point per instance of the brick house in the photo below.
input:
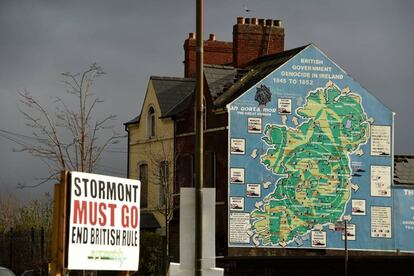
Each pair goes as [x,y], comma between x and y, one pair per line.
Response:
[231,70]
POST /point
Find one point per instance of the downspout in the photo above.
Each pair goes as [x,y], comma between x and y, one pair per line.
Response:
[126,129]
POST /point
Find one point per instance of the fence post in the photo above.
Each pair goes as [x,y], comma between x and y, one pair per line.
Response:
[42,250]
[11,248]
[32,244]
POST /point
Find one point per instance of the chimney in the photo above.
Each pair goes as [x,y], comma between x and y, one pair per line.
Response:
[253,38]
[215,52]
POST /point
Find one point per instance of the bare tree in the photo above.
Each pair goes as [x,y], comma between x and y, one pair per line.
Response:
[69,138]
[9,211]
[162,160]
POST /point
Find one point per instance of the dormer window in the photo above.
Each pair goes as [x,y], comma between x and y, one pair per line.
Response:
[151,122]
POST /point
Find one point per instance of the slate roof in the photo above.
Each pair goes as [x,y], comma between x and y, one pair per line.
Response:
[225,83]
[256,71]
[171,92]
[404,169]
[218,77]
[134,121]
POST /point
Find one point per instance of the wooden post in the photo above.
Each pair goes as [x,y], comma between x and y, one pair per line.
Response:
[58,244]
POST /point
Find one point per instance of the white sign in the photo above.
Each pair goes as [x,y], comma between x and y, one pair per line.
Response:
[381,222]
[358,207]
[318,239]
[239,223]
[237,146]
[380,140]
[237,175]
[103,223]
[350,229]
[254,125]
[381,181]
[284,106]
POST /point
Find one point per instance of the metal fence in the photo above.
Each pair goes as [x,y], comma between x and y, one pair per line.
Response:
[22,250]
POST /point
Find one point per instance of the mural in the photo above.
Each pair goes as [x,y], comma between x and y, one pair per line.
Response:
[308,148]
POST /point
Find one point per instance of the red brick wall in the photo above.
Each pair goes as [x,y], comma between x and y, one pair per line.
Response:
[253,38]
[215,52]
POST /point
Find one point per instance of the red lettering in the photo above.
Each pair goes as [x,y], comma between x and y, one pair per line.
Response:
[79,212]
[92,213]
[124,220]
[112,207]
[102,219]
[134,217]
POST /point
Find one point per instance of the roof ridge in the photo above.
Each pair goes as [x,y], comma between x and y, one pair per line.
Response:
[277,55]
[220,66]
[175,106]
[171,78]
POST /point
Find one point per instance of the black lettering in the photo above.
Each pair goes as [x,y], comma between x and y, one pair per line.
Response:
[110,190]
[112,237]
[121,192]
[128,192]
[92,236]
[123,237]
[85,185]
[73,234]
[85,235]
[135,193]
[94,188]
[77,187]
[102,189]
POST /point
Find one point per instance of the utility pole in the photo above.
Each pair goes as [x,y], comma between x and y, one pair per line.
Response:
[199,152]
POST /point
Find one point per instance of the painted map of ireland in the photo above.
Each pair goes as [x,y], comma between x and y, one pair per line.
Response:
[312,161]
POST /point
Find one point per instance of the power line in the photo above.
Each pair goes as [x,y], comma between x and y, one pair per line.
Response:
[21,135]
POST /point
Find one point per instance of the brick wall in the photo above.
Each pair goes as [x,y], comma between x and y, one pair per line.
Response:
[252,38]
[215,52]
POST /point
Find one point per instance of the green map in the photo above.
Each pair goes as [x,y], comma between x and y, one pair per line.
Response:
[313,162]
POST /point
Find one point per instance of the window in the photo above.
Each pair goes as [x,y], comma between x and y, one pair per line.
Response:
[151,122]
[164,178]
[143,177]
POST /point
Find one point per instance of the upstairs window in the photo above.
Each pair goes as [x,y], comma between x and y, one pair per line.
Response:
[151,122]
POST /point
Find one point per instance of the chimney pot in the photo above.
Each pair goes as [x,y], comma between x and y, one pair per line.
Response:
[261,22]
[269,22]
[191,35]
[240,20]
[276,23]
[212,37]
[247,20]
[254,21]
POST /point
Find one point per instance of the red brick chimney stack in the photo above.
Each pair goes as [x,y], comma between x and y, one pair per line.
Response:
[215,52]
[253,38]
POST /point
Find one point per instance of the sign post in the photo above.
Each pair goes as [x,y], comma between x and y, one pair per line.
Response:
[346,247]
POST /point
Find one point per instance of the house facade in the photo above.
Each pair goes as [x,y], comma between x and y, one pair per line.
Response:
[151,146]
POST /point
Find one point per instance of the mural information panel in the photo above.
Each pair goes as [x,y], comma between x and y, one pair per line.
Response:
[404,218]
[309,147]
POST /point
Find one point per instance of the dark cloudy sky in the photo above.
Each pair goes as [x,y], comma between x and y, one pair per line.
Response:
[372,40]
